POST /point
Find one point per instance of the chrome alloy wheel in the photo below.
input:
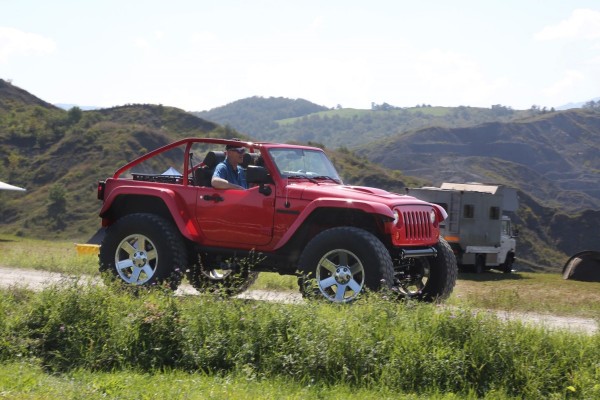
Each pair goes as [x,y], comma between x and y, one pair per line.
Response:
[136,259]
[340,276]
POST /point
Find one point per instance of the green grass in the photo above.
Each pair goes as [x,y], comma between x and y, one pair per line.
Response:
[53,256]
[355,112]
[545,293]
[22,380]
[98,340]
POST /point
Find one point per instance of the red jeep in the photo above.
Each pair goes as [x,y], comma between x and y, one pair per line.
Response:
[163,220]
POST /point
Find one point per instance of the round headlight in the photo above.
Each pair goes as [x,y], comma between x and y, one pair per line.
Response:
[432,216]
[396,217]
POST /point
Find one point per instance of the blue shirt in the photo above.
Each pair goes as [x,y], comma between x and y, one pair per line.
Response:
[225,171]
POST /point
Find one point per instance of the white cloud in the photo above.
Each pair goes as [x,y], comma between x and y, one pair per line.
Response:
[444,77]
[582,24]
[566,83]
[15,42]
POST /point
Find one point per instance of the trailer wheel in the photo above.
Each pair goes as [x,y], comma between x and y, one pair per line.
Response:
[507,265]
[479,263]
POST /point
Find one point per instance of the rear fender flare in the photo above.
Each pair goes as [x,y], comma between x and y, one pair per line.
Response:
[175,205]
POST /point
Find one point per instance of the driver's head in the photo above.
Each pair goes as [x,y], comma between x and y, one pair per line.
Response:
[235,153]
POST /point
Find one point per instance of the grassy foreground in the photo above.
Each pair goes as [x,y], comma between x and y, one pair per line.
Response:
[108,341]
[99,342]
[520,292]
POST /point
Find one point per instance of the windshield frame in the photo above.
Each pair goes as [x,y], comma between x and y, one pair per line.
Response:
[312,163]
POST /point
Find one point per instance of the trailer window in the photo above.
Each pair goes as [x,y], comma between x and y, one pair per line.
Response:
[469,211]
[494,212]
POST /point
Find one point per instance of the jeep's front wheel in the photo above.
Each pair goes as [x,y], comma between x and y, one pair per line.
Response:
[339,263]
[143,250]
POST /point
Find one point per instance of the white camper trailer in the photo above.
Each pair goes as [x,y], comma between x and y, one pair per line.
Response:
[479,233]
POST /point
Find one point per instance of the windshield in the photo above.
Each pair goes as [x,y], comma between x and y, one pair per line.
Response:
[302,163]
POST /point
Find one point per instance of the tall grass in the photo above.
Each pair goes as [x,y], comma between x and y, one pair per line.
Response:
[373,345]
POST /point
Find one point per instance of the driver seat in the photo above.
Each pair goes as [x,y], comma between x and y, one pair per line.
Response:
[203,175]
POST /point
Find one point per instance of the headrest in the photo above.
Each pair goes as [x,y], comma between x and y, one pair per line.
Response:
[213,158]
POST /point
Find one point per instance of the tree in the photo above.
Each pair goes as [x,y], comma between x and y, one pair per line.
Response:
[57,206]
[74,115]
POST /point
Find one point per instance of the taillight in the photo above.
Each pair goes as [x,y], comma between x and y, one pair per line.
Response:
[101,185]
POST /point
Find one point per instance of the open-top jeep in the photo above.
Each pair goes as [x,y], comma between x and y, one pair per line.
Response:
[163,220]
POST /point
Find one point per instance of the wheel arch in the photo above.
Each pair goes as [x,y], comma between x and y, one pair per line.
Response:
[324,218]
[160,204]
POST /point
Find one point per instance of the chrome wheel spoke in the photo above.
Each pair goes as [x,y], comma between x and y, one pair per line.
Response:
[341,291]
[135,275]
[327,283]
[355,286]
[328,265]
[124,264]
[128,248]
[151,255]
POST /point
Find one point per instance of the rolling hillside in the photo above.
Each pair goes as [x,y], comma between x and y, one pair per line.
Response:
[549,158]
[60,155]
[552,157]
[284,120]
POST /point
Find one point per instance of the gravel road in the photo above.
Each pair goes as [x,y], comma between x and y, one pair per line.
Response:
[37,280]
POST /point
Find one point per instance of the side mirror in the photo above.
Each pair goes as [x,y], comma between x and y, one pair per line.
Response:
[259,176]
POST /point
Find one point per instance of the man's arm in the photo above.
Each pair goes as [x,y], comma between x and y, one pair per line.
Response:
[220,183]
[219,180]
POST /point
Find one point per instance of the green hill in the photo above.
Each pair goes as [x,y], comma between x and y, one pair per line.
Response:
[60,155]
[550,158]
[349,128]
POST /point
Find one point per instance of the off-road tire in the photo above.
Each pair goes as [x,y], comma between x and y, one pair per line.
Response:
[161,260]
[344,258]
[443,274]
[227,282]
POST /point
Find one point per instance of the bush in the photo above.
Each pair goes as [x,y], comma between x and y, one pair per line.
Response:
[374,343]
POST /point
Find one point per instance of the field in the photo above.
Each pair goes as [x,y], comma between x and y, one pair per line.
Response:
[544,293]
[88,341]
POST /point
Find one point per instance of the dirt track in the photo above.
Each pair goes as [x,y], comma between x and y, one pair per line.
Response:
[37,280]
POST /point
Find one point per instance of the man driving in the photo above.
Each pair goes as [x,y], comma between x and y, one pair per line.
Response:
[228,173]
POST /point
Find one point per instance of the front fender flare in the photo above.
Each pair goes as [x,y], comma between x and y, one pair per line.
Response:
[367,207]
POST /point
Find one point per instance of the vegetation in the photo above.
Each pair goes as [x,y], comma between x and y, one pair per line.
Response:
[59,156]
[75,340]
[550,157]
[278,119]
[543,293]
[375,345]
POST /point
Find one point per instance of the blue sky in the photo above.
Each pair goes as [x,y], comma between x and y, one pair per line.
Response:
[197,55]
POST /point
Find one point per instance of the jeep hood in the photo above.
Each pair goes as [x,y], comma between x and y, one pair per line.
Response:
[362,193]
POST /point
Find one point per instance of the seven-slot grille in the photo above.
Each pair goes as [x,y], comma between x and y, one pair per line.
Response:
[417,225]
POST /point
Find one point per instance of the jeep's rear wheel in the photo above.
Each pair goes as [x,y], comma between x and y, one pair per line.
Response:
[142,250]
[207,276]
[431,278]
[339,263]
